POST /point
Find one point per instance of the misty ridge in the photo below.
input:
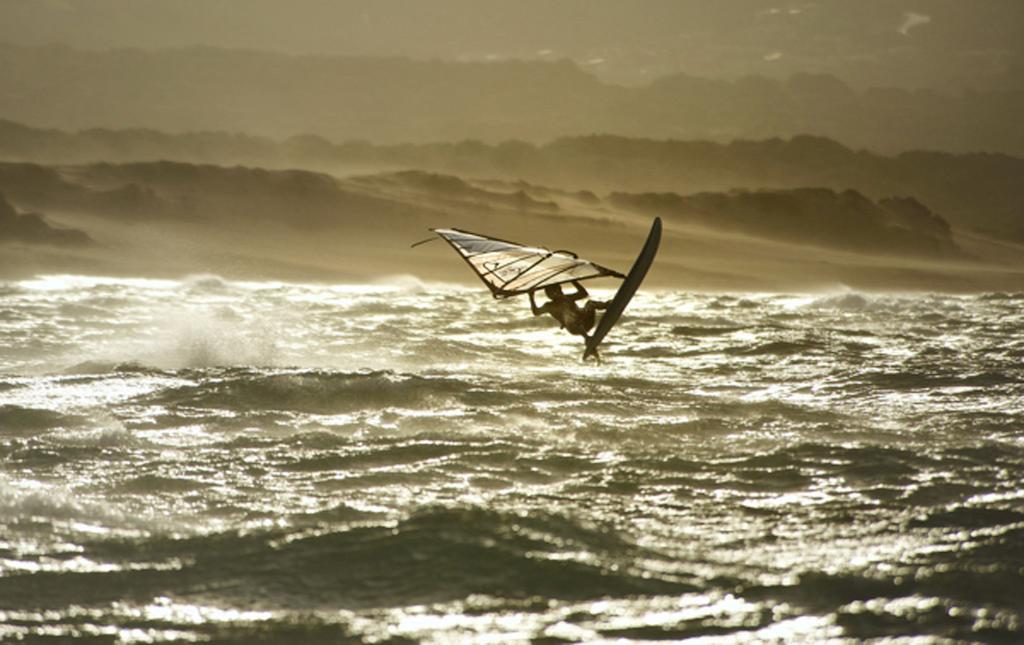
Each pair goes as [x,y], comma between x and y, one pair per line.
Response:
[977,192]
[140,192]
[808,215]
[32,228]
[164,217]
[392,100]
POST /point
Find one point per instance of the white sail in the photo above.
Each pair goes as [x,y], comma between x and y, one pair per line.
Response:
[510,269]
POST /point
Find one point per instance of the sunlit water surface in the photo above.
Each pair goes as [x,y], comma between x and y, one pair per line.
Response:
[212,461]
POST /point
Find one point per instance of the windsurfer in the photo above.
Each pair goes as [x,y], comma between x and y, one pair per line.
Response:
[563,308]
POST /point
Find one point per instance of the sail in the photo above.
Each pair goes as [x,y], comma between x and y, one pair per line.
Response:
[510,269]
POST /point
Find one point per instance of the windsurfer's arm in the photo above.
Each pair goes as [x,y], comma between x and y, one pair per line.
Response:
[533,306]
[581,292]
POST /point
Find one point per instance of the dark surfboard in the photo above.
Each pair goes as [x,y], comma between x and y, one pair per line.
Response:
[626,290]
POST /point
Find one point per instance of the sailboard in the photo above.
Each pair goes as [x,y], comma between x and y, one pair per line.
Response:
[511,269]
[626,290]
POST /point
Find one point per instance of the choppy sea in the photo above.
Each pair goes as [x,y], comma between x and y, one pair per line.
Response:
[212,461]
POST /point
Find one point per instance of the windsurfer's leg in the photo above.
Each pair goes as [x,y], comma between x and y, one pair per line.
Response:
[587,319]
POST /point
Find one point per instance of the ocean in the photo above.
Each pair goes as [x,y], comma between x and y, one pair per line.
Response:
[203,460]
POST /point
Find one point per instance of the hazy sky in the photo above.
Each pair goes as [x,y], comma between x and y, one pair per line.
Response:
[877,42]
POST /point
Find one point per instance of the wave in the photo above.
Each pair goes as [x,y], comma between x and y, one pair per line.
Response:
[776,348]
[315,391]
[842,302]
[701,331]
[19,421]
[911,380]
[655,351]
[112,367]
[1001,296]
[205,283]
[379,456]
[410,284]
[856,303]
[340,513]
[38,506]
[435,555]
[145,484]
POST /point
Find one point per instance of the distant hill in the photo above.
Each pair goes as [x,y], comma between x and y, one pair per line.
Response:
[980,192]
[32,228]
[818,216]
[138,193]
[171,218]
[207,195]
[389,100]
